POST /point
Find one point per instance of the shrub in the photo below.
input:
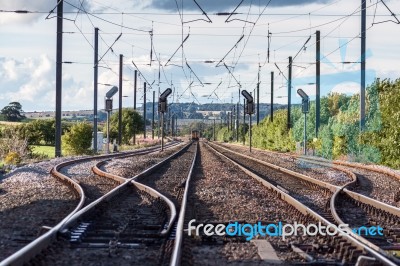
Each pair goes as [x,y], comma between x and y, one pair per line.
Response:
[13,158]
[78,140]
[10,142]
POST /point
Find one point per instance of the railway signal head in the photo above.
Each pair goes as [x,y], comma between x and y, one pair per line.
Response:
[162,101]
[165,94]
[162,106]
[249,102]
[305,105]
[111,92]
[305,101]
[302,94]
[250,108]
[248,96]
[108,105]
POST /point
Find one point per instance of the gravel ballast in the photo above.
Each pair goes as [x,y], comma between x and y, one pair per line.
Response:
[29,199]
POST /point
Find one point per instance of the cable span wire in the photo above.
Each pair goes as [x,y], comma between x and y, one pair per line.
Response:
[105,20]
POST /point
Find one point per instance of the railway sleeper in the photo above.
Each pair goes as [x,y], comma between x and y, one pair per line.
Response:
[379,215]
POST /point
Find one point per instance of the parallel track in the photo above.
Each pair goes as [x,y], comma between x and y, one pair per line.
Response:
[39,244]
[361,242]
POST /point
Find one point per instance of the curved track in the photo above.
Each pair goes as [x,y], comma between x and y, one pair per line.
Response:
[58,172]
[361,210]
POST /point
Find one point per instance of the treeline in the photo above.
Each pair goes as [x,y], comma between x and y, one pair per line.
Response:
[16,139]
[339,133]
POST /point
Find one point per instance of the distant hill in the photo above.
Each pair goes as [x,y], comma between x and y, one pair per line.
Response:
[182,110]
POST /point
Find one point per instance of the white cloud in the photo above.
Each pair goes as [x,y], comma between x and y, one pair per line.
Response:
[347,88]
[9,67]
[28,72]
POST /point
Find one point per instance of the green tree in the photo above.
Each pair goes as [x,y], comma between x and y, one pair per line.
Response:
[273,135]
[132,123]
[78,140]
[12,112]
[39,132]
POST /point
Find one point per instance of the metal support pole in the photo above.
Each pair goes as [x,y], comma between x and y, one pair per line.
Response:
[244,121]
[176,125]
[108,132]
[258,97]
[152,121]
[121,59]
[172,125]
[272,97]
[305,134]
[144,109]
[59,76]
[237,122]
[318,83]
[134,90]
[214,130]
[162,131]
[168,122]
[227,120]
[95,80]
[232,121]
[363,49]
[250,131]
[289,96]
[158,114]
[134,105]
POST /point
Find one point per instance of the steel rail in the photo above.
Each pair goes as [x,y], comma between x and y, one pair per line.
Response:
[357,196]
[307,211]
[127,182]
[332,188]
[36,246]
[177,250]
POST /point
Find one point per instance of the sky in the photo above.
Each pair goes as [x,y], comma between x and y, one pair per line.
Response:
[220,54]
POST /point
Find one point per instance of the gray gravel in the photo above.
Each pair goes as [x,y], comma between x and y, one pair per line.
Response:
[221,193]
[370,183]
[29,199]
[323,173]
[314,197]
[93,185]
[131,166]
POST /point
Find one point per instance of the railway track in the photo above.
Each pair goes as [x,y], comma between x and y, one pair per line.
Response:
[371,181]
[359,210]
[314,194]
[211,201]
[95,187]
[30,201]
[173,181]
[138,223]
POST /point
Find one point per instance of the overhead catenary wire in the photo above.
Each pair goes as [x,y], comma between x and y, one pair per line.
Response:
[396,21]
[204,13]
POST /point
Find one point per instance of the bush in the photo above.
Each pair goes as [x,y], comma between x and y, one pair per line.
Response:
[13,158]
[78,140]
[224,135]
[273,135]
[10,142]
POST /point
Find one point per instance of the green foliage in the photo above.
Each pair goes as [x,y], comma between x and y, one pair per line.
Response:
[383,122]
[12,112]
[339,133]
[11,143]
[13,158]
[78,140]
[39,131]
[326,142]
[273,135]
[224,134]
[132,123]
[43,152]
